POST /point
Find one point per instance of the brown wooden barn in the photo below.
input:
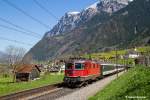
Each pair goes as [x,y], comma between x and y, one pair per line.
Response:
[143,60]
[27,72]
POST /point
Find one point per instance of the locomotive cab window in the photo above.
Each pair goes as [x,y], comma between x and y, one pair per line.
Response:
[79,66]
[69,66]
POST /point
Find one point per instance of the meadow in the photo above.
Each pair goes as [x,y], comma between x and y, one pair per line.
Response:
[7,86]
[111,55]
[134,83]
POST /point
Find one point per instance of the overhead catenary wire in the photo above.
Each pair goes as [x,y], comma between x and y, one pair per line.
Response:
[19,27]
[45,9]
[15,41]
[25,13]
[22,32]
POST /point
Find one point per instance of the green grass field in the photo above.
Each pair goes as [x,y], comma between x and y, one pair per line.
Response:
[135,82]
[7,87]
[112,53]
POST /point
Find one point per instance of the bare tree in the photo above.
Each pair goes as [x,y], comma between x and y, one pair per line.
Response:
[28,59]
[14,57]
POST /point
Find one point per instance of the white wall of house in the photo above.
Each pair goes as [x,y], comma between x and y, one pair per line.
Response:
[133,55]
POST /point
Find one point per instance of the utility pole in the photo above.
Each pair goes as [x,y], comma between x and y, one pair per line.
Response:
[116,61]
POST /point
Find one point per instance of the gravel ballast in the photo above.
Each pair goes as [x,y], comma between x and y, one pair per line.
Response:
[90,90]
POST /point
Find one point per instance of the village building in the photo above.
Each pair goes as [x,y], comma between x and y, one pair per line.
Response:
[27,72]
[143,60]
[57,66]
[132,54]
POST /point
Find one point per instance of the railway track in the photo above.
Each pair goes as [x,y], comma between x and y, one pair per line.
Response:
[66,91]
[28,94]
[50,92]
[56,94]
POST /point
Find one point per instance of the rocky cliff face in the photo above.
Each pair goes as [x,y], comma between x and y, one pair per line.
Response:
[127,26]
[72,20]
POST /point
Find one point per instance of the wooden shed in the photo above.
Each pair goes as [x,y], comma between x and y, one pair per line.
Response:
[27,72]
[143,60]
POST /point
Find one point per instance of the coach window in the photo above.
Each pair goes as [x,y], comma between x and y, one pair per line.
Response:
[78,66]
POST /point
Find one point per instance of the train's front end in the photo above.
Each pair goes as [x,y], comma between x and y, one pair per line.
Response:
[74,73]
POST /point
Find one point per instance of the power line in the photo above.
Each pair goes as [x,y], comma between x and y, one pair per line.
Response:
[10,28]
[25,13]
[17,26]
[45,9]
[15,41]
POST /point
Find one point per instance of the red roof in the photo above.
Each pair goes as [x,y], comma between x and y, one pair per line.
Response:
[27,68]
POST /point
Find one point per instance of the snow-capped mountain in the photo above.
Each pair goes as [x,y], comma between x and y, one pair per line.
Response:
[72,20]
[102,32]
[111,6]
[65,24]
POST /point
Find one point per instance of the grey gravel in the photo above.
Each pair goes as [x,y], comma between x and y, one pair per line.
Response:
[54,95]
[90,90]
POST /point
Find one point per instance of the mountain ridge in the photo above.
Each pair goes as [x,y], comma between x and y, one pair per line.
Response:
[104,31]
[72,20]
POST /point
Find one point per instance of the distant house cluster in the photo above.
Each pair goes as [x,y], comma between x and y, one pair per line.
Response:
[132,54]
[139,58]
[57,66]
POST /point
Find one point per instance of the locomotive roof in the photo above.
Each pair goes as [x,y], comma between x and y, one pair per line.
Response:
[81,61]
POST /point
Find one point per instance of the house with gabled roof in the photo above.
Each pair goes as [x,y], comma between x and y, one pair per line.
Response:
[132,54]
[27,72]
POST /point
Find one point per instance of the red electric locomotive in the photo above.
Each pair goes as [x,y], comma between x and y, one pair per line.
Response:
[80,72]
